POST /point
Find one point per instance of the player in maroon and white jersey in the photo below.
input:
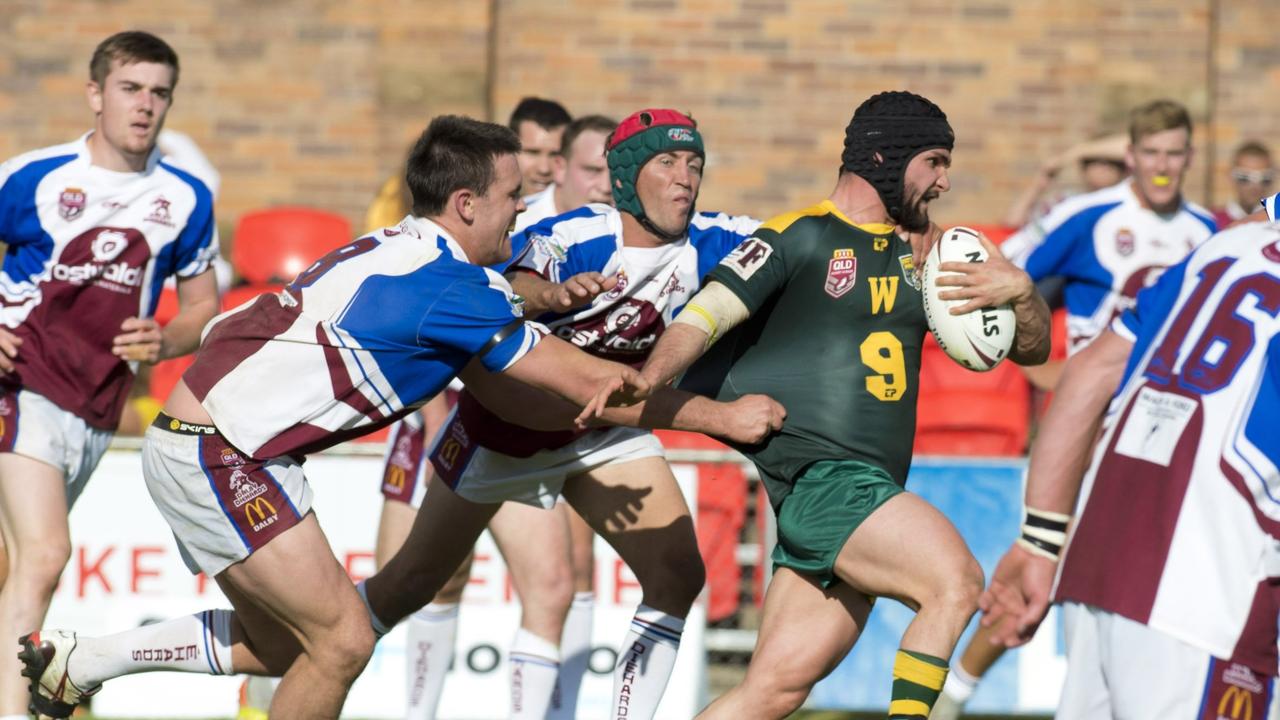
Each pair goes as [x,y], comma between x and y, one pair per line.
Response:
[1173,563]
[93,228]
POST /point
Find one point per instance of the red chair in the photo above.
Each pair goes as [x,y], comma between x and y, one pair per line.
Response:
[273,246]
[961,412]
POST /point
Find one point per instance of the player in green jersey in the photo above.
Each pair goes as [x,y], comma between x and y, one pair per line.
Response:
[821,310]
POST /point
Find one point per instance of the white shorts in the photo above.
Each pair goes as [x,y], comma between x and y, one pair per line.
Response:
[221,505]
[485,476]
[31,425]
[1118,668]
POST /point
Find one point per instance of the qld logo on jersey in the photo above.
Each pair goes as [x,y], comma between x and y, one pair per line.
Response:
[71,203]
[842,271]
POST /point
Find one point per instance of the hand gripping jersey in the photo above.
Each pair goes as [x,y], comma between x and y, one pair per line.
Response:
[359,339]
[1107,247]
[1181,522]
[835,332]
[621,325]
[87,248]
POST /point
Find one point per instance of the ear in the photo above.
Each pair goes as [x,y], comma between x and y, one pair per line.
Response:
[558,166]
[93,93]
[463,202]
[1130,158]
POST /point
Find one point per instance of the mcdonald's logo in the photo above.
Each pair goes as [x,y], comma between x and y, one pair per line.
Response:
[395,477]
[1236,704]
[449,452]
[263,508]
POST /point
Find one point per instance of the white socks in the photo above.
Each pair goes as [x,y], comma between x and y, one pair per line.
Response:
[645,663]
[199,643]
[429,642]
[575,656]
[535,663]
[960,684]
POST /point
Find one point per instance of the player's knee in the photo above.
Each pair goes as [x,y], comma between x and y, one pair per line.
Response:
[40,566]
[346,649]
[776,696]
[678,583]
[962,588]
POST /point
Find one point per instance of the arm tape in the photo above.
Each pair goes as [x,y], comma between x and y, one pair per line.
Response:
[714,310]
[1044,533]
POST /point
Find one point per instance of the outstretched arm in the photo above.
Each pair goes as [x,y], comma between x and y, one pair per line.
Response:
[1024,578]
[710,314]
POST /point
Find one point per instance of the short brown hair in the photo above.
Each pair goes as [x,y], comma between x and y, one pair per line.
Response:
[1158,116]
[131,46]
[597,123]
[453,153]
[1254,148]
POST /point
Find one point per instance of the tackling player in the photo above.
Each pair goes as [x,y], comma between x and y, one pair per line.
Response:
[93,229]
[647,257]
[822,308]
[302,370]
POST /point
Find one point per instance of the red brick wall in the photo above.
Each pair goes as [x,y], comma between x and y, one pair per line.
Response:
[315,102]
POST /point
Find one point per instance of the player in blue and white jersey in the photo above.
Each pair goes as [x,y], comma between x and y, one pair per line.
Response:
[93,228]
[295,372]
[608,281]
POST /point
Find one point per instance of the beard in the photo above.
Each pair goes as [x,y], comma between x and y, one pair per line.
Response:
[915,214]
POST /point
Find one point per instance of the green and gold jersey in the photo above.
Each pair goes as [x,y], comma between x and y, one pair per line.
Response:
[834,335]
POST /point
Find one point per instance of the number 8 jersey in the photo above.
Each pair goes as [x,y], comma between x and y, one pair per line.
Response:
[835,333]
[1180,527]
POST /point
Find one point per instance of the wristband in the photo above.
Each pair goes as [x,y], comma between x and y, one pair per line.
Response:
[1044,533]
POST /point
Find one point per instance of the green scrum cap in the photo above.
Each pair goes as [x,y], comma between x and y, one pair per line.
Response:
[636,140]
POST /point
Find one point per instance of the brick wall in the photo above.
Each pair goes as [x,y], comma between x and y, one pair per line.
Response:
[315,102]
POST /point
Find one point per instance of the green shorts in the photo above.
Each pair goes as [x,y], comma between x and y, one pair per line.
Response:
[829,501]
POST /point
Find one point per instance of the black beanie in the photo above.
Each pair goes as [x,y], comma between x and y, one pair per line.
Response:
[898,125]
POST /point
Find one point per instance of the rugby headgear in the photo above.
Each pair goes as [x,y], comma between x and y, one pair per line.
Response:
[898,126]
[636,140]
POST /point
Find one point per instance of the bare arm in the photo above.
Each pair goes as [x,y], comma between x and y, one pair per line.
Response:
[559,367]
[714,311]
[1023,580]
[143,339]
[747,420]
[998,282]
[542,296]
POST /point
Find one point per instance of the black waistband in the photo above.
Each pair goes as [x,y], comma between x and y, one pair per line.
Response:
[183,427]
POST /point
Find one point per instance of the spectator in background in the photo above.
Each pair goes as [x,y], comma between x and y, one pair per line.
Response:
[539,124]
[579,169]
[1252,175]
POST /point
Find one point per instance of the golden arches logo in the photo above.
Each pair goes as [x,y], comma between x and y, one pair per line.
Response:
[395,477]
[1240,701]
[449,452]
[262,507]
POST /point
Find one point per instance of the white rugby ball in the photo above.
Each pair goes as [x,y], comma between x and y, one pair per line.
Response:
[979,339]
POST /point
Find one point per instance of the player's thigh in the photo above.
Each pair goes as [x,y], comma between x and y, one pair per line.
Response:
[908,550]
[297,580]
[535,545]
[805,631]
[33,505]
[636,506]
[582,548]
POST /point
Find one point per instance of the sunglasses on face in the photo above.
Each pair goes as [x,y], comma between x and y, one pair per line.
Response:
[1253,177]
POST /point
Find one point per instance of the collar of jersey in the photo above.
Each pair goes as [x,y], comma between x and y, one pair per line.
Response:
[434,233]
[872,228]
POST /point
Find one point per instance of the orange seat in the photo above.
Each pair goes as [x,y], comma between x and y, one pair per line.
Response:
[165,374]
[274,245]
[167,307]
[962,412]
[241,294]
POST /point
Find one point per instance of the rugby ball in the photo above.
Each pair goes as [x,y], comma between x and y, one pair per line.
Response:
[979,339]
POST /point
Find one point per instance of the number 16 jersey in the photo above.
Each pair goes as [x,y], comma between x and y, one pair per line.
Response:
[834,335]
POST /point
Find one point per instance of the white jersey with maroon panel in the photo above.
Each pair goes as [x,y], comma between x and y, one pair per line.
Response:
[1180,527]
[621,325]
[361,338]
[89,247]
[1107,247]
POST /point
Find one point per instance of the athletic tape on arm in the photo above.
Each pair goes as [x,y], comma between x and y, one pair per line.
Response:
[714,310]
